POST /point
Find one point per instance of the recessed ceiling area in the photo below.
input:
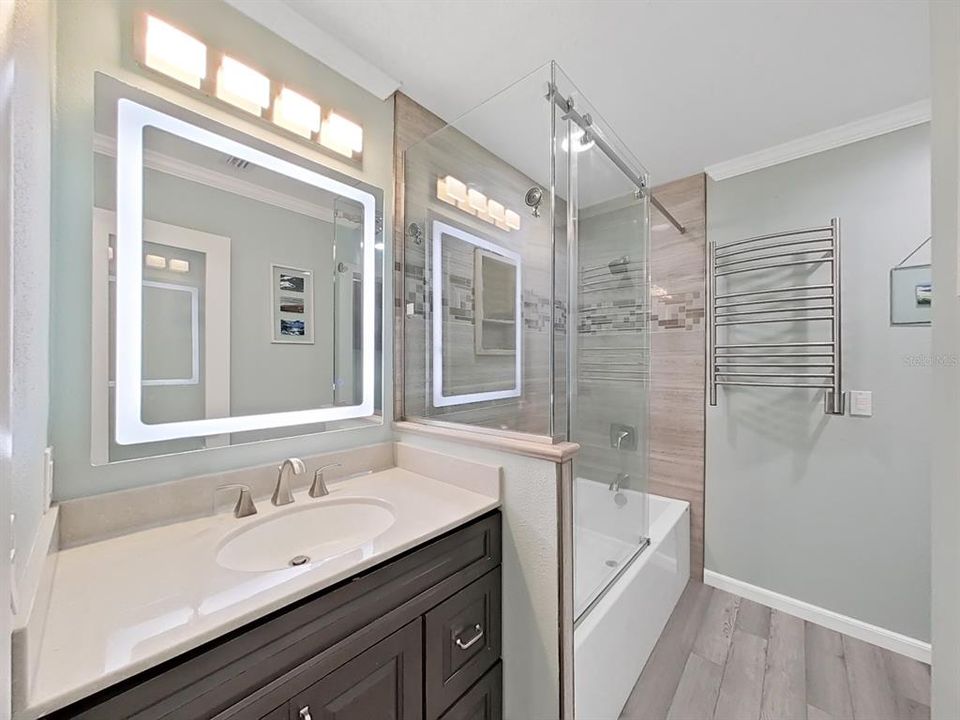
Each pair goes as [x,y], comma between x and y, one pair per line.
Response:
[685,84]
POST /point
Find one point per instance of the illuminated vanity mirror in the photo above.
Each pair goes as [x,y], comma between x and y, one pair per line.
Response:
[236,286]
[476,318]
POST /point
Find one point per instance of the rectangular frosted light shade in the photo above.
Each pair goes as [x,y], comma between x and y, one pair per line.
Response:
[155,261]
[242,86]
[178,265]
[174,53]
[511,220]
[296,113]
[442,193]
[477,200]
[456,189]
[495,210]
[341,135]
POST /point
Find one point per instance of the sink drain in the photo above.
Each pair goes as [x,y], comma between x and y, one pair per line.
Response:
[299,560]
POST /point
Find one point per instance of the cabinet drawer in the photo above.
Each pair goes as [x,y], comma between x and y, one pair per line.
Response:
[484,701]
[462,642]
[383,682]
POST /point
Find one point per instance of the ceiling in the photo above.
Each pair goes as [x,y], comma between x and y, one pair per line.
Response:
[685,83]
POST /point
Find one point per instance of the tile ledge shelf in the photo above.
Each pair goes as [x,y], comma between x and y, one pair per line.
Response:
[554,452]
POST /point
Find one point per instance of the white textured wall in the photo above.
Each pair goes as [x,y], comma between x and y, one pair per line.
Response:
[945,23]
[96,36]
[834,511]
[33,49]
[6,329]
[531,656]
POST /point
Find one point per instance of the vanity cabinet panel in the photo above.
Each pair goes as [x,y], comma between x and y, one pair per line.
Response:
[384,682]
[462,641]
[256,670]
[484,701]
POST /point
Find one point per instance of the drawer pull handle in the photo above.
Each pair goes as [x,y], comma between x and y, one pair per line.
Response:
[305,713]
[472,641]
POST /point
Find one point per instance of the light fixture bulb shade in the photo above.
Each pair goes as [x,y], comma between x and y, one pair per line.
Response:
[296,113]
[242,86]
[341,135]
[477,200]
[496,210]
[174,52]
[456,189]
[511,220]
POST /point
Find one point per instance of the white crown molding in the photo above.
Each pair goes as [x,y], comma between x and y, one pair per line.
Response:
[890,121]
[888,639]
[316,42]
[105,145]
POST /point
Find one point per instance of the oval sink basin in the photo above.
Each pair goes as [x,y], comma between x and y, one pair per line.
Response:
[306,535]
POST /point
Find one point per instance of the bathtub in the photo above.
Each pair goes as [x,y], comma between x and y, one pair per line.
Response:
[615,635]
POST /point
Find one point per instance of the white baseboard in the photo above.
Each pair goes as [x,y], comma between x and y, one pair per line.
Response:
[888,639]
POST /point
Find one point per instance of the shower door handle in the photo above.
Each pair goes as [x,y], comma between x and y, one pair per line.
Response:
[472,641]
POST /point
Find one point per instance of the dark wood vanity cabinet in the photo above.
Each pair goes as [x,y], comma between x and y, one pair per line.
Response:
[416,638]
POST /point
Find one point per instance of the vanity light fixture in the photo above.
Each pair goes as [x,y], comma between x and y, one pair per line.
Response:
[242,86]
[341,135]
[455,192]
[180,266]
[174,53]
[293,111]
[155,261]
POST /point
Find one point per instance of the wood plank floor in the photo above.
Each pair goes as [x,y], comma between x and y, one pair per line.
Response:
[722,657]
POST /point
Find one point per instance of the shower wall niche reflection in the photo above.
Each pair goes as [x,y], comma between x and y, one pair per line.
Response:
[257,315]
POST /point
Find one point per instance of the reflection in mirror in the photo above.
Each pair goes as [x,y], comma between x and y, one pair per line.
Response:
[248,279]
[476,318]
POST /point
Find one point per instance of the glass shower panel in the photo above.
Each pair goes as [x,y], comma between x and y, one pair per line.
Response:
[609,355]
[478,266]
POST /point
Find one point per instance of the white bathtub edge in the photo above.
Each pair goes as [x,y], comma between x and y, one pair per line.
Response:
[615,639]
[874,634]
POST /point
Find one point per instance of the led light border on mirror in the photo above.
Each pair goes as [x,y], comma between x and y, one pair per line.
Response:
[439,399]
[132,119]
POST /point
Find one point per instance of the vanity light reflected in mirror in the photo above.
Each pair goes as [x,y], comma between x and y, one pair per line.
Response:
[175,53]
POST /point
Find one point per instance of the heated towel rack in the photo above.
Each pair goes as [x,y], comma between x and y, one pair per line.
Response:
[746,288]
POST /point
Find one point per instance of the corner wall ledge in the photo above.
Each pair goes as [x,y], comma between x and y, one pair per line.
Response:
[554,452]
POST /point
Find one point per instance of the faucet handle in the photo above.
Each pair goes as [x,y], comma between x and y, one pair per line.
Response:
[244,507]
[319,487]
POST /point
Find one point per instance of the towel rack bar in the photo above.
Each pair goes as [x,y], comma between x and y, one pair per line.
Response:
[774,310]
[773,256]
[778,385]
[768,301]
[822,343]
[773,320]
[788,243]
[776,375]
[772,236]
[773,266]
[795,288]
[772,365]
[764,356]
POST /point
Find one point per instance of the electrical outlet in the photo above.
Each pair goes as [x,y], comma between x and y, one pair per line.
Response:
[861,403]
[47,478]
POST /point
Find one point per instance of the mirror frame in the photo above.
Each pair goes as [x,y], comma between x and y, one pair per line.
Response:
[439,399]
[132,119]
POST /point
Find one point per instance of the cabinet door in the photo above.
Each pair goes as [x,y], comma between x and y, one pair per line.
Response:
[484,701]
[384,682]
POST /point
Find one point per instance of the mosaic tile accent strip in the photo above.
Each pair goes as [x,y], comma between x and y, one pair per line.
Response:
[677,311]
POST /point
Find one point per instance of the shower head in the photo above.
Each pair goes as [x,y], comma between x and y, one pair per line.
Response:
[533,198]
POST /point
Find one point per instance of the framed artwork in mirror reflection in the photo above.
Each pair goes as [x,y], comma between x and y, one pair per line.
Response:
[291,305]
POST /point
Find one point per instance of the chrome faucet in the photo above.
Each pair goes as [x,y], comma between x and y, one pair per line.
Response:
[624,434]
[319,487]
[281,493]
[621,478]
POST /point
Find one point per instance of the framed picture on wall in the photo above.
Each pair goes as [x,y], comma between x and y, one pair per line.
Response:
[292,305]
[911,295]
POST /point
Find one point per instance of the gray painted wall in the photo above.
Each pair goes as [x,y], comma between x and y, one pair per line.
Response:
[97,35]
[834,511]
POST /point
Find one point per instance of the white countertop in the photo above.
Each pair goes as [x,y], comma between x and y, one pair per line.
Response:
[120,606]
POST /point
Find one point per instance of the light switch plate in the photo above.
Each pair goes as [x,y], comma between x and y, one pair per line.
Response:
[861,403]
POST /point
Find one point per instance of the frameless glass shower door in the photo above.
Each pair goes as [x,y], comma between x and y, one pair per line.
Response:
[609,356]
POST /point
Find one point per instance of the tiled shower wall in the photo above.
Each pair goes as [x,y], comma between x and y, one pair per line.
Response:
[678,352]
